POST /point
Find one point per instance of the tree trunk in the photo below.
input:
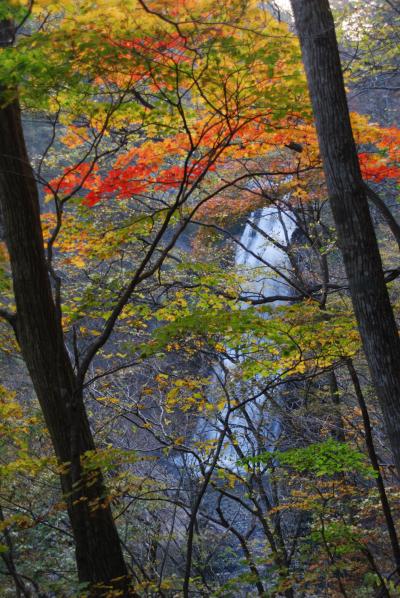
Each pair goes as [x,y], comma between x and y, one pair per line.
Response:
[373,457]
[98,551]
[338,430]
[385,213]
[349,204]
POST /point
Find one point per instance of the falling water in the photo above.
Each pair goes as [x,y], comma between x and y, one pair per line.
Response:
[261,260]
[255,251]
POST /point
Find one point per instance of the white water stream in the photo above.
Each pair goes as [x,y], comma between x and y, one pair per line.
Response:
[260,261]
[255,250]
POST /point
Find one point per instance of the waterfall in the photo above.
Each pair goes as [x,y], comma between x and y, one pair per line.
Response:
[279,226]
[253,253]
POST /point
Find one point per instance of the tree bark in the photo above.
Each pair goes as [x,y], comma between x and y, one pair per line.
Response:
[385,213]
[98,551]
[348,199]
[338,430]
[373,457]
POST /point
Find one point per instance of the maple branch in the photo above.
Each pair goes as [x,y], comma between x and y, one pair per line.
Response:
[197,504]
[390,275]
[141,272]
[258,257]
[262,232]
[138,96]
[109,326]
[372,195]
[24,19]
[10,318]
[169,21]
[392,5]
[369,441]
[296,147]
[384,210]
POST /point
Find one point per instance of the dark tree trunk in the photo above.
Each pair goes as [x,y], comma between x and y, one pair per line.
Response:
[385,213]
[349,204]
[98,551]
[338,430]
[373,457]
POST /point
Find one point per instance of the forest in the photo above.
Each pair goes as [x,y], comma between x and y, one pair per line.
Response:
[199,299]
